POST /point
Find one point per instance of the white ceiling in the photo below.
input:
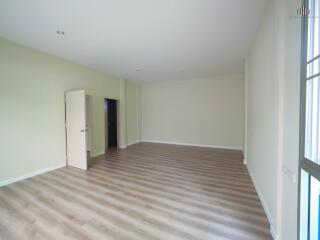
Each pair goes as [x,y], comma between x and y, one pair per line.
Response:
[142,40]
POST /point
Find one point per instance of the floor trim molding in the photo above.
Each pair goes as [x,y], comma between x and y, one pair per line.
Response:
[29,175]
[274,234]
[96,154]
[132,143]
[266,210]
[190,144]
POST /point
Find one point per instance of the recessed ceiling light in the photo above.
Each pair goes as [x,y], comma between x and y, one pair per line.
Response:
[60,32]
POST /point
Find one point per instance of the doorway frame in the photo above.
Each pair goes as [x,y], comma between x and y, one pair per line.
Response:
[89,124]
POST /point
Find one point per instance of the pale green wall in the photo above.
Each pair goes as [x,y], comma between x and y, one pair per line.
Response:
[206,111]
[132,114]
[98,125]
[32,86]
[122,115]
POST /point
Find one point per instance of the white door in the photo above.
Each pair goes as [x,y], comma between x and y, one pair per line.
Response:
[88,123]
[76,129]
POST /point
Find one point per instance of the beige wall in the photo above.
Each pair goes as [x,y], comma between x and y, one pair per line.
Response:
[273,115]
[199,112]
[32,86]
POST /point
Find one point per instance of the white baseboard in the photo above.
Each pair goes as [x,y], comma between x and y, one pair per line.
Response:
[98,154]
[132,143]
[245,161]
[274,235]
[32,174]
[266,209]
[193,145]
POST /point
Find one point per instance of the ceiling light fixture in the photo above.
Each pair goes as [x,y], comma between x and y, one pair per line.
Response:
[60,32]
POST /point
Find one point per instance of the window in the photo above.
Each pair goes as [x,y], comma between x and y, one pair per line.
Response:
[310,125]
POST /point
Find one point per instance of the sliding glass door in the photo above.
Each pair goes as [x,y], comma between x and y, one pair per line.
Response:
[309,214]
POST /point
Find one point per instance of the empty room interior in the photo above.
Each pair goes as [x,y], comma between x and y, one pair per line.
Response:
[160,119]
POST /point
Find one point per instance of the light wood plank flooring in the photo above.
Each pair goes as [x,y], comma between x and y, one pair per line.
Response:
[147,191]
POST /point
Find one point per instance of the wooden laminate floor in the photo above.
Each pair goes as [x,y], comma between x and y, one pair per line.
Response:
[147,191]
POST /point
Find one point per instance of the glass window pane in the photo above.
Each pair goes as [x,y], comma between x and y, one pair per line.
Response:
[312,133]
[313,29]
[314,208]
[313,68]
[304,205]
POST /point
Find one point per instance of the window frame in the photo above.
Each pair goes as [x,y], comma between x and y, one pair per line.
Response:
[312,168]
[305,163]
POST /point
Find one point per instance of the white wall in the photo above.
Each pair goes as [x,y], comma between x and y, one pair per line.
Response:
[199,112]
[272,129]
[262,113]
[291,92]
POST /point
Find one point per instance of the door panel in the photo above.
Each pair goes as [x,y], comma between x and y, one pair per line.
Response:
[88,124]
[76,129]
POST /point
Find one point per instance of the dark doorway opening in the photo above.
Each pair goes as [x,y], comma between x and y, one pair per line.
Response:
[111,122]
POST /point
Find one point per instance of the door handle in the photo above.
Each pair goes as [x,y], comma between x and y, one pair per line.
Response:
[84,130]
